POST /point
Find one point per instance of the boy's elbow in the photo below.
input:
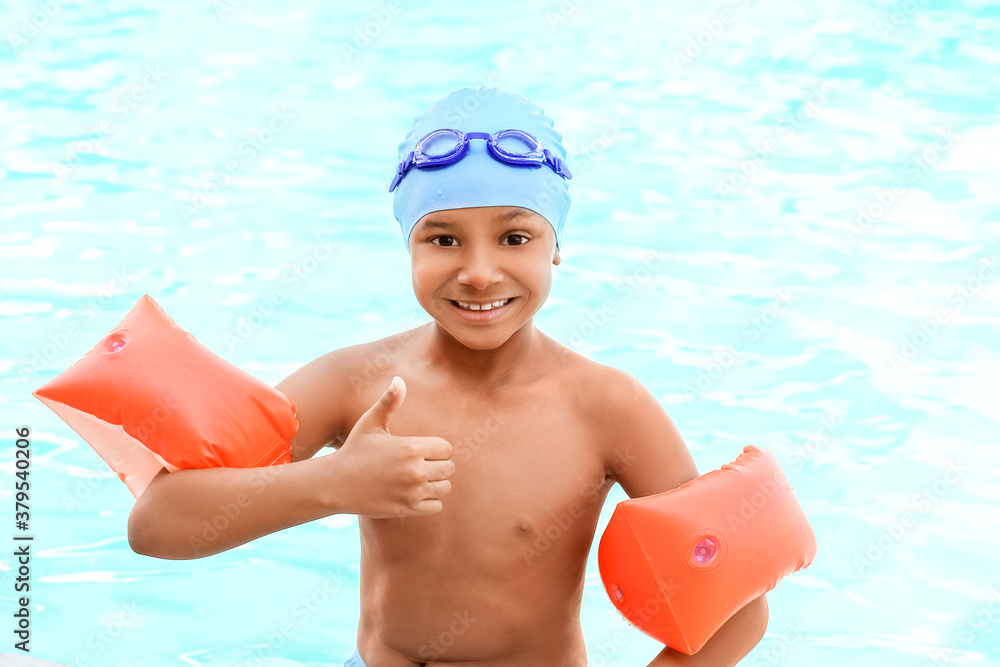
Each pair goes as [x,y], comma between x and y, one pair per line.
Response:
[757,612]
[145,536]
[140,535]
[137,535]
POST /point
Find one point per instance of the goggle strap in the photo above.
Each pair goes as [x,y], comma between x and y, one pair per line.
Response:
[405,165]
[557,165]
[401,170]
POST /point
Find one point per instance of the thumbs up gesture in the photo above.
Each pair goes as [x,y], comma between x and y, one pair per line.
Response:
[386,475]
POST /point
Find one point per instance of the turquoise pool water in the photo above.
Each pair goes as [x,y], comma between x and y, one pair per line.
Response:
[789,207]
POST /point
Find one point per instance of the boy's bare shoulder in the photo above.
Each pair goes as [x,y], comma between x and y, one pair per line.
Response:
[358,360]
[326,389]
[601,389]
[631,426]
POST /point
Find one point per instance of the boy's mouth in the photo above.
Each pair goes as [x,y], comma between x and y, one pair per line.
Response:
[484,311]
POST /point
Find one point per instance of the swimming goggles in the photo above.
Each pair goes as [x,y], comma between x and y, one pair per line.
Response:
[441,148]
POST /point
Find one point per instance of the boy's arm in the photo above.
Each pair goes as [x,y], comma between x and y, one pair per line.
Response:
[728,645]
[648,456]
[194,513]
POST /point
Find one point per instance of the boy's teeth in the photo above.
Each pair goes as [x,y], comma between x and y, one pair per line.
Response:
[488,306]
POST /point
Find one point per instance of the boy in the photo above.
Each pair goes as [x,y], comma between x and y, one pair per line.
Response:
[478,476]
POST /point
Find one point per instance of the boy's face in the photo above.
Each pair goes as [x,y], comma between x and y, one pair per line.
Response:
[482,255]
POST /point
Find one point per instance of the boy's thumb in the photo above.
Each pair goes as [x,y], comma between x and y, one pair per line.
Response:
[378,415]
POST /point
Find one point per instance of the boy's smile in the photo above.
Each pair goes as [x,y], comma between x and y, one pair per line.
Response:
[485,312]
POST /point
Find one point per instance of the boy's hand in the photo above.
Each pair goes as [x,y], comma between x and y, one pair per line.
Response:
[383,475]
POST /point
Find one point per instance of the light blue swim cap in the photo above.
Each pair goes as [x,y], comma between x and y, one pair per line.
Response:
[478,179]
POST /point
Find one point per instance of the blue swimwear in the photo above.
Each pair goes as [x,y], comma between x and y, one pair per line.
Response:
[355,660]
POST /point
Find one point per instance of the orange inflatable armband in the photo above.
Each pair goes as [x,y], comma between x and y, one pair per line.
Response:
[679,564]
[149,396]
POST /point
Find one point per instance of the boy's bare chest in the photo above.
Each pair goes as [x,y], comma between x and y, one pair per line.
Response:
[516,462]
[532,434]
[519,460]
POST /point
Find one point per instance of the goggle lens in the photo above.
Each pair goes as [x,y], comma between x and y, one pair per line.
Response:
[439,144]
[515,144]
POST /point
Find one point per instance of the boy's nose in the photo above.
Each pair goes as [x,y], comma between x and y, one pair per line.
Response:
[480,269]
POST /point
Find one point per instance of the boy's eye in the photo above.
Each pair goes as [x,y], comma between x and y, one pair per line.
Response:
[523,239]
[446,245]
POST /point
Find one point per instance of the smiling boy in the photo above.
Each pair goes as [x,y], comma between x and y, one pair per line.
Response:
[478,475]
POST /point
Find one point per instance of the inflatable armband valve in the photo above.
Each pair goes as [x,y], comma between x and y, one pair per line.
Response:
[679,564]
[149,395]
